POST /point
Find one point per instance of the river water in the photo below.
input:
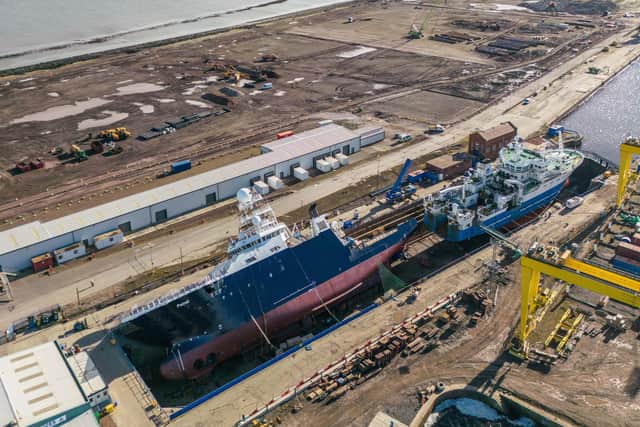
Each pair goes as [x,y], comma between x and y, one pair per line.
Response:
[34,31]
[610,114]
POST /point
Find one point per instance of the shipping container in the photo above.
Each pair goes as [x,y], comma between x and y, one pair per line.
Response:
[274,182]
[323,166]
[261,187]
[300,173]
[344,160]
[626,264]
[266,86]
[284,134]
[108,239]
[628,250]
[68,253]
[42,262]
[635,239]
[333,162]
[180,166]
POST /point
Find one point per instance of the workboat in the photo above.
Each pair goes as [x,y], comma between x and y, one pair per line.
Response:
[489,196]
[271,279]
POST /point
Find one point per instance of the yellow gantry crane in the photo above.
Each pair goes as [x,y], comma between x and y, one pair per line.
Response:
[628,148]
[549,260]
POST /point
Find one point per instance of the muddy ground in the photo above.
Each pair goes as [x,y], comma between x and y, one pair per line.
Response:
[323,64]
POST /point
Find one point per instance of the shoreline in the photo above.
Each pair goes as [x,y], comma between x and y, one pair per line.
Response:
[134,48]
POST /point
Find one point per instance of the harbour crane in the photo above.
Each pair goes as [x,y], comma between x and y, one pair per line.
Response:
[398,191]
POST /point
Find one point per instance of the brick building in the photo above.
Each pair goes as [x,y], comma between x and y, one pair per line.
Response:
[487,143]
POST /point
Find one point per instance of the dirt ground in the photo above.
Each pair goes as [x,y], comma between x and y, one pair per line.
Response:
[601,374]
[321,67]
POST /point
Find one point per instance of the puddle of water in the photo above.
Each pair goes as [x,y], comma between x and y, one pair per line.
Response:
[112,117]
[61,111]
[197,103]
[356,52]
[193,89]
[139,88]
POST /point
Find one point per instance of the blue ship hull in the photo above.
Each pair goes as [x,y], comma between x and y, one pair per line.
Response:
[214,323]
[499,220]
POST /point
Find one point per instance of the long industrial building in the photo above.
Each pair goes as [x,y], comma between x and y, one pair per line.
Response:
[20,244]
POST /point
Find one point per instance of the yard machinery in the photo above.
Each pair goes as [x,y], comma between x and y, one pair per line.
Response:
[115,134]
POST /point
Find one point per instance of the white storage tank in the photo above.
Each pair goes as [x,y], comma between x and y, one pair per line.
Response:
[300,173]
[335,164]
[70,252]
[261,187]
[323,166]
[344,160]
[325,122]
[110,238]
[274,182]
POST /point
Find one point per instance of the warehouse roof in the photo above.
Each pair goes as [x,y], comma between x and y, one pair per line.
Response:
[37,385]
[318,138]
[86,373]
[283,150]
[499,131]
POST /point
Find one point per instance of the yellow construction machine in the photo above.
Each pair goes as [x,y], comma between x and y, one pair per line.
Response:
[115,134]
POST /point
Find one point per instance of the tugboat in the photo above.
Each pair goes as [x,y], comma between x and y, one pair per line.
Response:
[521,182]
[272,278]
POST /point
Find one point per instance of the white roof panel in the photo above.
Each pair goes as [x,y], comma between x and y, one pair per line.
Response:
[284,149]
[86,373]
[38,384]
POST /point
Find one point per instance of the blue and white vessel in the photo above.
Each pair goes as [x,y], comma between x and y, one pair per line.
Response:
[491,196]
[272,278]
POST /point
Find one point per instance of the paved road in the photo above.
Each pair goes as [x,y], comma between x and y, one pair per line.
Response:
[564,91]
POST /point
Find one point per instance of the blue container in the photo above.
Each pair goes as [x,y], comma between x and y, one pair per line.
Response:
[626,264]
[180,166]
[554,131]
[266,86]
[347,224]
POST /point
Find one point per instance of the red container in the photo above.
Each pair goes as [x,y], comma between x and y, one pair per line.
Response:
[635,239]
[628,250]
[42,262]
[284,134]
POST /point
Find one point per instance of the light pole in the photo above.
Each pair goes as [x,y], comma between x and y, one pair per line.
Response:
[82,290]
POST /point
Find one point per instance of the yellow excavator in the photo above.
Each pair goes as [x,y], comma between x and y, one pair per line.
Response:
[115,134]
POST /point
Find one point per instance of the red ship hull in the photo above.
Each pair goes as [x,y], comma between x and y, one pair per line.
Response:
[191,364]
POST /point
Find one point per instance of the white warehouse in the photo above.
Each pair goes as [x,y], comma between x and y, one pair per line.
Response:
[18,245]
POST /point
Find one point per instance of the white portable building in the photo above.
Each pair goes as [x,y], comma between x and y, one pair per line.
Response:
[70,252]
[261,187]
[344,160]
[274,182]
[300,173]
[110,238]
[323,166]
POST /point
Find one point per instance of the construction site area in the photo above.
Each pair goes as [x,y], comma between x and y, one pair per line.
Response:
[212,100]
[378,124]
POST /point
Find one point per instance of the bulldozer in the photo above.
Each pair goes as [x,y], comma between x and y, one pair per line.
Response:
[115,134]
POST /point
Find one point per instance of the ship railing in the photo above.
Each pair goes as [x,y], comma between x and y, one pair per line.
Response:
[138,311]
[599,159]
